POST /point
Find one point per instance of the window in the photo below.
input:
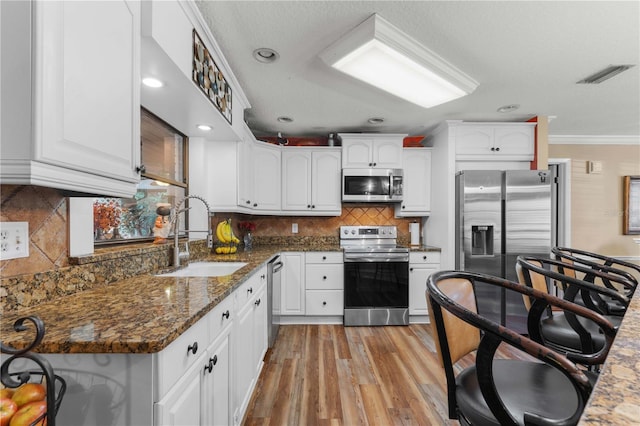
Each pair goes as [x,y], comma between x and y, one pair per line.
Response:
[164,181]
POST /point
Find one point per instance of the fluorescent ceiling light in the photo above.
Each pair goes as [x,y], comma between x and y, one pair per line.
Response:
[204,127]
[378,53]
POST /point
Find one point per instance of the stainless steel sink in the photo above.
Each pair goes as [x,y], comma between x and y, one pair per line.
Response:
[205,269]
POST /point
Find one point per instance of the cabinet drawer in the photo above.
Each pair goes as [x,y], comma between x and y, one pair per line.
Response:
[250,287]
[324,257]
[325,302]
[420,257]
[324,277]
[219,317]
[175,359]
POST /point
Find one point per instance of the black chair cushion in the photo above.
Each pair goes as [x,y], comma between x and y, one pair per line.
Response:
[557,331]
[523,386]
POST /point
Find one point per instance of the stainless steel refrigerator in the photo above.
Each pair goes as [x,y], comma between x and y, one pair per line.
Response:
[500,215]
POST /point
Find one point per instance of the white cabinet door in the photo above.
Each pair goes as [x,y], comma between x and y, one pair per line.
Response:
[421,265]
[266,177]
[416,183]
[84,97]
[514,140]
[292,284]
[417,286]
[495,141]
[243,360]
[326,189]
[296,179]
[217,400]
[382,151]
[245,174]
[357,153]
[250,339]
[387,152]
[184,403]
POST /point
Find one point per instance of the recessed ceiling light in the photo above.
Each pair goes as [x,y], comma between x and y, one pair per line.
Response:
[204,127]
[375,120]
[508,108]
[152,82]
[265,55]
[285,119]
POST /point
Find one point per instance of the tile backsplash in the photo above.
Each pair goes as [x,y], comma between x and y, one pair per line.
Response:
[46,210]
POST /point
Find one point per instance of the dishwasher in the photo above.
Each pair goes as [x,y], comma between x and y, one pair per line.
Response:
[273,297]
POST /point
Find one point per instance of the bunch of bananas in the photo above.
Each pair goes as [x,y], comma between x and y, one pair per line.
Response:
[225,234]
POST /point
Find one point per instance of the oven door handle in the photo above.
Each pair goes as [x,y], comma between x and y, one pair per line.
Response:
[377,257]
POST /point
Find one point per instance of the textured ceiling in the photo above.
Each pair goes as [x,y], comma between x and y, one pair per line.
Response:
[526,53]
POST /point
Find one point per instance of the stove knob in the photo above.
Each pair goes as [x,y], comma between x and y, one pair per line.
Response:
[346,231]
[353,232]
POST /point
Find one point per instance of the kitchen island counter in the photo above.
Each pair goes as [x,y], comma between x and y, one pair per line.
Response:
[142,314]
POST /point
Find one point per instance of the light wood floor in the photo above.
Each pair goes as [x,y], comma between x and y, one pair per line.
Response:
[335,375]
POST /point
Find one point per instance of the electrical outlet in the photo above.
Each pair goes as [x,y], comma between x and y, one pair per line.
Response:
[14,240]
[294,228]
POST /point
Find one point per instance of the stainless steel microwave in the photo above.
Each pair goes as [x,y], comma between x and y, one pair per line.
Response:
[371,185]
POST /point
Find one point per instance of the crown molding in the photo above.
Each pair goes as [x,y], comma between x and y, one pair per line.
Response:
[594,140]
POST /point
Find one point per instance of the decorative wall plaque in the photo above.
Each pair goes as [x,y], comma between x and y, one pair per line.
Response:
[208,77]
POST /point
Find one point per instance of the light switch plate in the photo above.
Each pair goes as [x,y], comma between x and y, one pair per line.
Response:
[14,240]
[294,228]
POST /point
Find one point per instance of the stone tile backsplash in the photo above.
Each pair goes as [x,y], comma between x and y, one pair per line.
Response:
[48,272]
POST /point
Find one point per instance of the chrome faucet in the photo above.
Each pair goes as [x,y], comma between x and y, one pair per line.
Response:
[177,254]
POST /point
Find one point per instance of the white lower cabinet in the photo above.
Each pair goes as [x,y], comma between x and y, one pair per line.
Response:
[250,340]
[292,287]
[201,396]
[421,265]
[324,277]
[208,374]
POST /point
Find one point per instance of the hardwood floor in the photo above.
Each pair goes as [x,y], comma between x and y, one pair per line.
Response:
[335,375]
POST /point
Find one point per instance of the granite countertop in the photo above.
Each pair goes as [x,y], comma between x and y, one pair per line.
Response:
[616,397]
[142,314]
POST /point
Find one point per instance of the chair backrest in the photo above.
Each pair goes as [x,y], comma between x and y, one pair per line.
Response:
[628,270]
[537,281]
[452,303]
[462,338]
[596,283]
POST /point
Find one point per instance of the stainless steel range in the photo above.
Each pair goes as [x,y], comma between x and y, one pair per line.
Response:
[376,276]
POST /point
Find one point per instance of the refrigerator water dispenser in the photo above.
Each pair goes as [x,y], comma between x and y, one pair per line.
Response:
[482,240]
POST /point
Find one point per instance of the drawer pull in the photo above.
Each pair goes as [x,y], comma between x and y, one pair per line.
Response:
[225,314]
[250,290]
[193,348]
[214,360]
[324,303]
[410,269]
[324,277]
[263,276]
[257,302]
[424,257]
[209,366]
[324,257]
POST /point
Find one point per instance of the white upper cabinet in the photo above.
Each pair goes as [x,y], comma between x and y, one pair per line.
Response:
[495,141]
[416,184]
[380,151]
[70,95]
[311,180]
[266,177]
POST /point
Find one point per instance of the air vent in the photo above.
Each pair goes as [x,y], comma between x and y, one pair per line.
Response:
[604,74]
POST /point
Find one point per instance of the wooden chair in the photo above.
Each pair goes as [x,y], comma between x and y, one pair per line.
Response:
[562,329]
[603,263]
[547,390]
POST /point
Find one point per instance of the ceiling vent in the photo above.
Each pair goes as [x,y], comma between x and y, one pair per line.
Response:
[605,74]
